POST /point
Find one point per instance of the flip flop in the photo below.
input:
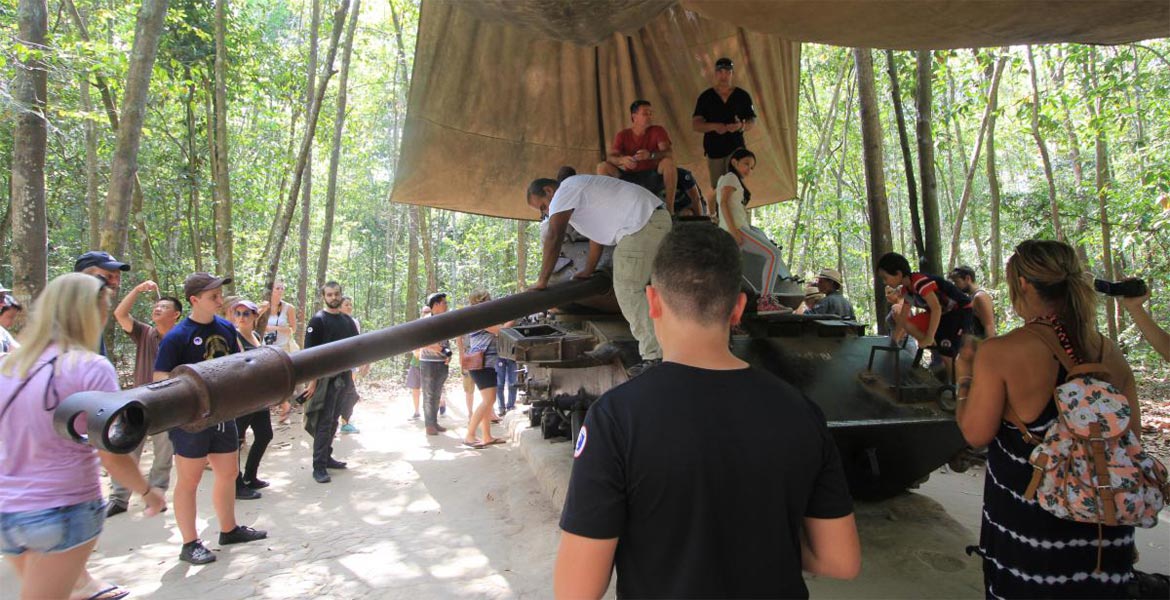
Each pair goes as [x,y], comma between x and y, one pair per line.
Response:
[496,441]
[113,592]
[472,445]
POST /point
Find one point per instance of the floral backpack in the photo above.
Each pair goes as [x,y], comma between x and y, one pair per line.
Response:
[1090,467]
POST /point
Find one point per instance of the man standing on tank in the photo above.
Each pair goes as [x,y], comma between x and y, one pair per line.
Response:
[324,407]
[722,114]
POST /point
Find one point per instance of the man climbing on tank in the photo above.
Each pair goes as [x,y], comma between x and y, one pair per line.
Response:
[947,315]
[640,154]
[610,212]
[983,326]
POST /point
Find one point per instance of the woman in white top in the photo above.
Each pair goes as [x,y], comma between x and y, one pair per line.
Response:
[281,320]
[733,199]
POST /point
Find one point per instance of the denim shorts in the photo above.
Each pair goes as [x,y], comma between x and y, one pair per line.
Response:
[53,530]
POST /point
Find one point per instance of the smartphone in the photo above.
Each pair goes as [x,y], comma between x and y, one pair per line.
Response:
[1130,288]
[302,398]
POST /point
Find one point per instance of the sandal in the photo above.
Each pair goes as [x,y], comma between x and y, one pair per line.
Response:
[475,445]
[114,592]
[495,441]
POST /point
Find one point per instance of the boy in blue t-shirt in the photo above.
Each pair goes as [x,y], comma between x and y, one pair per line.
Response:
[204,336]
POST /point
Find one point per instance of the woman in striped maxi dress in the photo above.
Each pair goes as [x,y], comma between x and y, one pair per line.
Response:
[1027,552]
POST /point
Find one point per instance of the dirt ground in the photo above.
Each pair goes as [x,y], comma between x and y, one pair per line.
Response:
[420,518]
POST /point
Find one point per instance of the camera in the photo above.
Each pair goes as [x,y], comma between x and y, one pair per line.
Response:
[269,338]
[447,351]
[1130,288]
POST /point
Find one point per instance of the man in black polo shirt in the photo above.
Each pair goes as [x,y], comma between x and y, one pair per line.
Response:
[687,502]
[324,408]
[722,114]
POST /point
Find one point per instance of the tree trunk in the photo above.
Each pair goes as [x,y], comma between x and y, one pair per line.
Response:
[880,239]
[1103,183]
[956,235]
[907,159]
[424,231]
[124,170]
[307,190]
[92,207]
[193,178]
[1054,206]
[808,187]
[223,188]
[292,158]
[924,97]
[993,191]
[303,154]
[412,296]
[1074,153]
[335,152]
[30,236]
[521,255]
[101,82]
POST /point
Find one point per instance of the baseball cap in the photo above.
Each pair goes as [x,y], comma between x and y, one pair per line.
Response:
[197,283]
[724,63]
[248,304]
[7,301]
[98,258]
[830,274]
[961,271]
[435,298]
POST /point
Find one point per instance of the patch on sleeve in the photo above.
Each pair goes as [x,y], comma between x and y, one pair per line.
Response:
[581,439]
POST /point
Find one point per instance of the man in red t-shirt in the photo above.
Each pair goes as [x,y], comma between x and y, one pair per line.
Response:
[641,155]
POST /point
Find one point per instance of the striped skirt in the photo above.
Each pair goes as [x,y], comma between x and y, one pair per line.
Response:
[1029,553]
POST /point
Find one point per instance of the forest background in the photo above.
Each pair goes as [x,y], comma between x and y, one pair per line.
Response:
[240,171]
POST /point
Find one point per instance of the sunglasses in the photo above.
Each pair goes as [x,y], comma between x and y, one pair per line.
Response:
[243,313]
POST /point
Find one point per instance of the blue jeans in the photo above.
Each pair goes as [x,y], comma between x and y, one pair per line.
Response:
[51,530]
[506,374]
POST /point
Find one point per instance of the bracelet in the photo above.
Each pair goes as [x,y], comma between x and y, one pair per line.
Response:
[960,398]
[966,378]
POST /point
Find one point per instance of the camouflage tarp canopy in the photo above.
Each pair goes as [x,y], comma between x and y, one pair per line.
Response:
[504,91]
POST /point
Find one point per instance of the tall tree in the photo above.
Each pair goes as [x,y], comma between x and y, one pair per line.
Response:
[880,238]
[27,210]
[124,170]
[92,205]
[924,97]
[223,189]
[1103,180]
[307,190]
[992,92]
[993,187]
[285,218]
[428,256]
[193,174]
[907,159]
[1054,207]
[412,296]
[335,152]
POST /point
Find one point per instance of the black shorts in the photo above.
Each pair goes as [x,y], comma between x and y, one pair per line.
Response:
[217,439]
[484,378]
[649,179]
[952,326]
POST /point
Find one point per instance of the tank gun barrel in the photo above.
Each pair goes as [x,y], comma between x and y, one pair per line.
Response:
[202,394]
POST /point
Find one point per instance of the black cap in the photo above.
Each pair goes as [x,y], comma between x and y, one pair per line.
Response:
[724,63]
[97,258]
[961,271]
[197,283]
[435,298]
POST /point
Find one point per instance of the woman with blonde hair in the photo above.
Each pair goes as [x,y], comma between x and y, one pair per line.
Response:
[51,507]
[278,320]
[479,361]
[1027,551]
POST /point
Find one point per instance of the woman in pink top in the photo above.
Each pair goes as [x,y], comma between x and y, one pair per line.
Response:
[51,508]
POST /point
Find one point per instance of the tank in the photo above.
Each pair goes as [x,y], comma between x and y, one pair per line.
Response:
[892,419]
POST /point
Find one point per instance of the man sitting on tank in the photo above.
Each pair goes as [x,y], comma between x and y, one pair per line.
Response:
[610,212]
[834,302]
[741,513]
[641,154]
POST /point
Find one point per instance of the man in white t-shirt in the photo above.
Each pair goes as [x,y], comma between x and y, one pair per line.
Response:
[610,212]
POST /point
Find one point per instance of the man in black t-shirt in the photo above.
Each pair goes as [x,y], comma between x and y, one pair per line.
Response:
[689,502]
[722,114]
[324,407]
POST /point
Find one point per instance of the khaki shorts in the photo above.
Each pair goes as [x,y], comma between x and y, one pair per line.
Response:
[716,167]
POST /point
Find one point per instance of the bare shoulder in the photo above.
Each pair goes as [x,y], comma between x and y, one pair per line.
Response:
[1012,345]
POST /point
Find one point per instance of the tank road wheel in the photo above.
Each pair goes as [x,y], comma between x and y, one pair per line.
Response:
[534,416]
[550,424]
[947,401]
[575,423]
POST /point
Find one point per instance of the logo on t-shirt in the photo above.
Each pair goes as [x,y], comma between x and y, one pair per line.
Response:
[581,442]
[217,346]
